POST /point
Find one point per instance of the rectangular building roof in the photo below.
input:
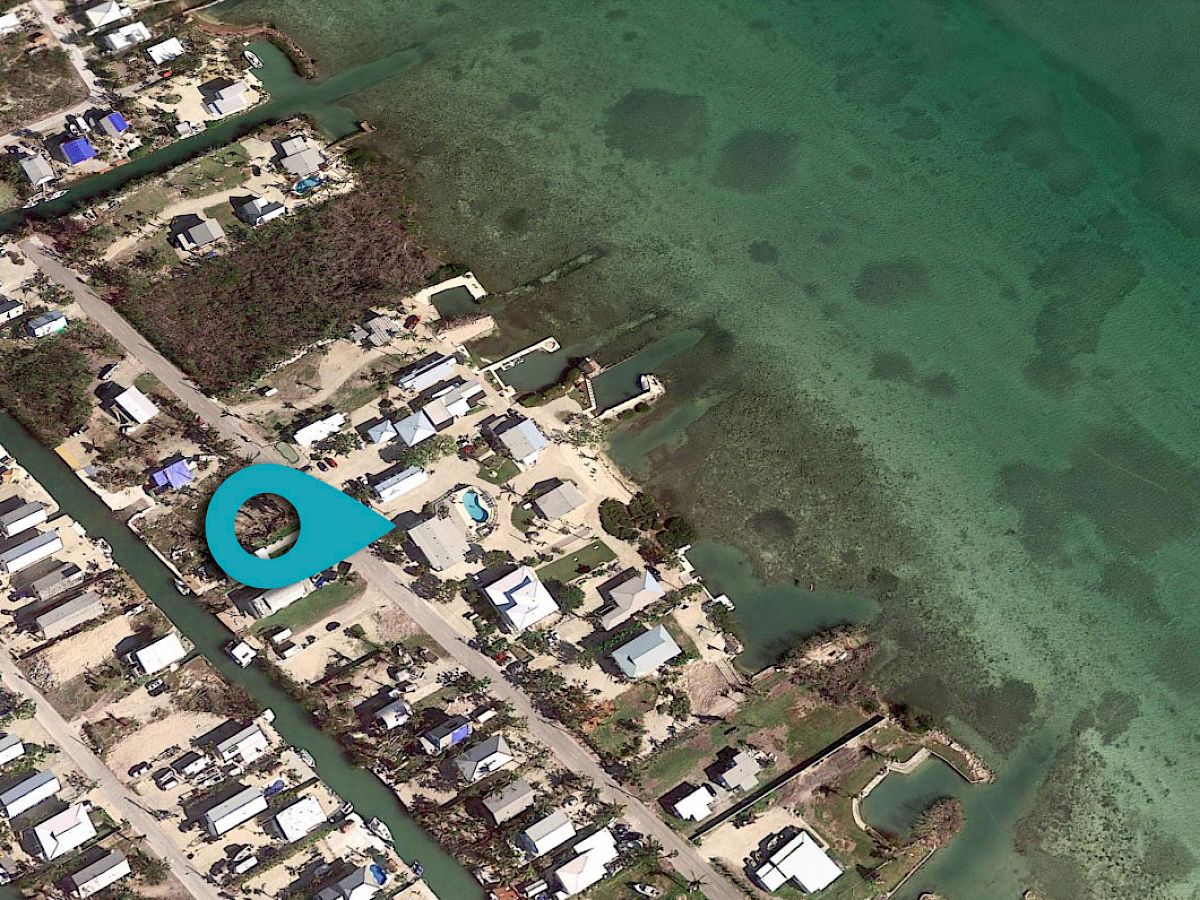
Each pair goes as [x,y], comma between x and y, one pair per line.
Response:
[441,541]
[159,654]
[509,802]
[546,834]
[62,618]
[136,405]
[646,652]
[228,814]
[108,869]
[61,834]
[299,818]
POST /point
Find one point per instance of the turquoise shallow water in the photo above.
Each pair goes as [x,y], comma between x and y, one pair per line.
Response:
[933,265]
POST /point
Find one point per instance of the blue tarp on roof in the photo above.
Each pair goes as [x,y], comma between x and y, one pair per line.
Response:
[117,121]
[77,151]
[176,475]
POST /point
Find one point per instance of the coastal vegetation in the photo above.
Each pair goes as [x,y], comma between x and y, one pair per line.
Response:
[45,384]
[35,84]
[226,322]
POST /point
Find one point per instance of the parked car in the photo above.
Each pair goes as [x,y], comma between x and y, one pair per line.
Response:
[321,465]
[139,770]
[331,462]
[155,687]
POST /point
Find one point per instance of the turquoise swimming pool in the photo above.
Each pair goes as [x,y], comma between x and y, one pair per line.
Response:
[475,509]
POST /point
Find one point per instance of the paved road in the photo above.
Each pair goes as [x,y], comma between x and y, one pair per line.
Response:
[685,857]
[244,435]
[573,755]
[122,798]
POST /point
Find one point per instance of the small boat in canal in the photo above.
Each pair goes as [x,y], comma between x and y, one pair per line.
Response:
[378,828]
[252,58]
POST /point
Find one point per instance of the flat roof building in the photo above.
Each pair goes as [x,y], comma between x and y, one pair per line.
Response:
[125,37]
[46,324]
[275,599]
[241,807]
[22,518]
[297,819]
[27,548]
[441,541]
[159,654]
[740,772]
[108,869]
[696,804]
[426,373]
[453,731]
[243,747]
[395,482]
[319,430]
[135,405]
[644,654]
[11,747]
[223,97]
[521,599]
[360,884]
[165,51]
[29,792]
[60,619]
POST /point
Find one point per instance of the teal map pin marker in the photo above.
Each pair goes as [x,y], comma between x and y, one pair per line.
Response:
[332,526]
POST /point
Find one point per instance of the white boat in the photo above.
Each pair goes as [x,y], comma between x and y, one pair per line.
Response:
[182,588]
[380,830]
[252,58]
[306,758]
[105,546]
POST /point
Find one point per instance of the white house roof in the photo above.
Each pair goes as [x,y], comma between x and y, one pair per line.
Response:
[631,596]
[65,616]
[646,652]
[37,169]
[452,402]
[394,714]
[484,758]
[427,373]
[393,485]
[510,801]
[126,36]
[563,498]
[160,654]
[165,51]
[32,547]
[800,860]
[415,428]
[546,834]
[523,439]
[303,163]
[230,813]
[249,742]
[319,430]
[695,805]
[11,747]
[29,792]
[441,541]
[301,817]
[741,773]
[28,514]
[106,13]
[108,869]
[361,884]
[64,832]
[136,405]
[521,598]
[590,863]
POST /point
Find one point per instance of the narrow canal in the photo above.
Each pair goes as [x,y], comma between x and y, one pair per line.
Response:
[291,96]
[369,795]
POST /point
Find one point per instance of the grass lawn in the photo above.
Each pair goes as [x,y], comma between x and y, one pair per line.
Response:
[681,637]
[148,200]
[803,736]
[217,171]
[498,469]
[223,213]
[642,872]
[316,606]
[565,568]
[354,394]
[632,704]
[522,518]
[146,382]
[8,195]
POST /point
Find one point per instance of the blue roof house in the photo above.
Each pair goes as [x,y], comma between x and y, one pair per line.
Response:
[173,476]
[77,150]
[113,124]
